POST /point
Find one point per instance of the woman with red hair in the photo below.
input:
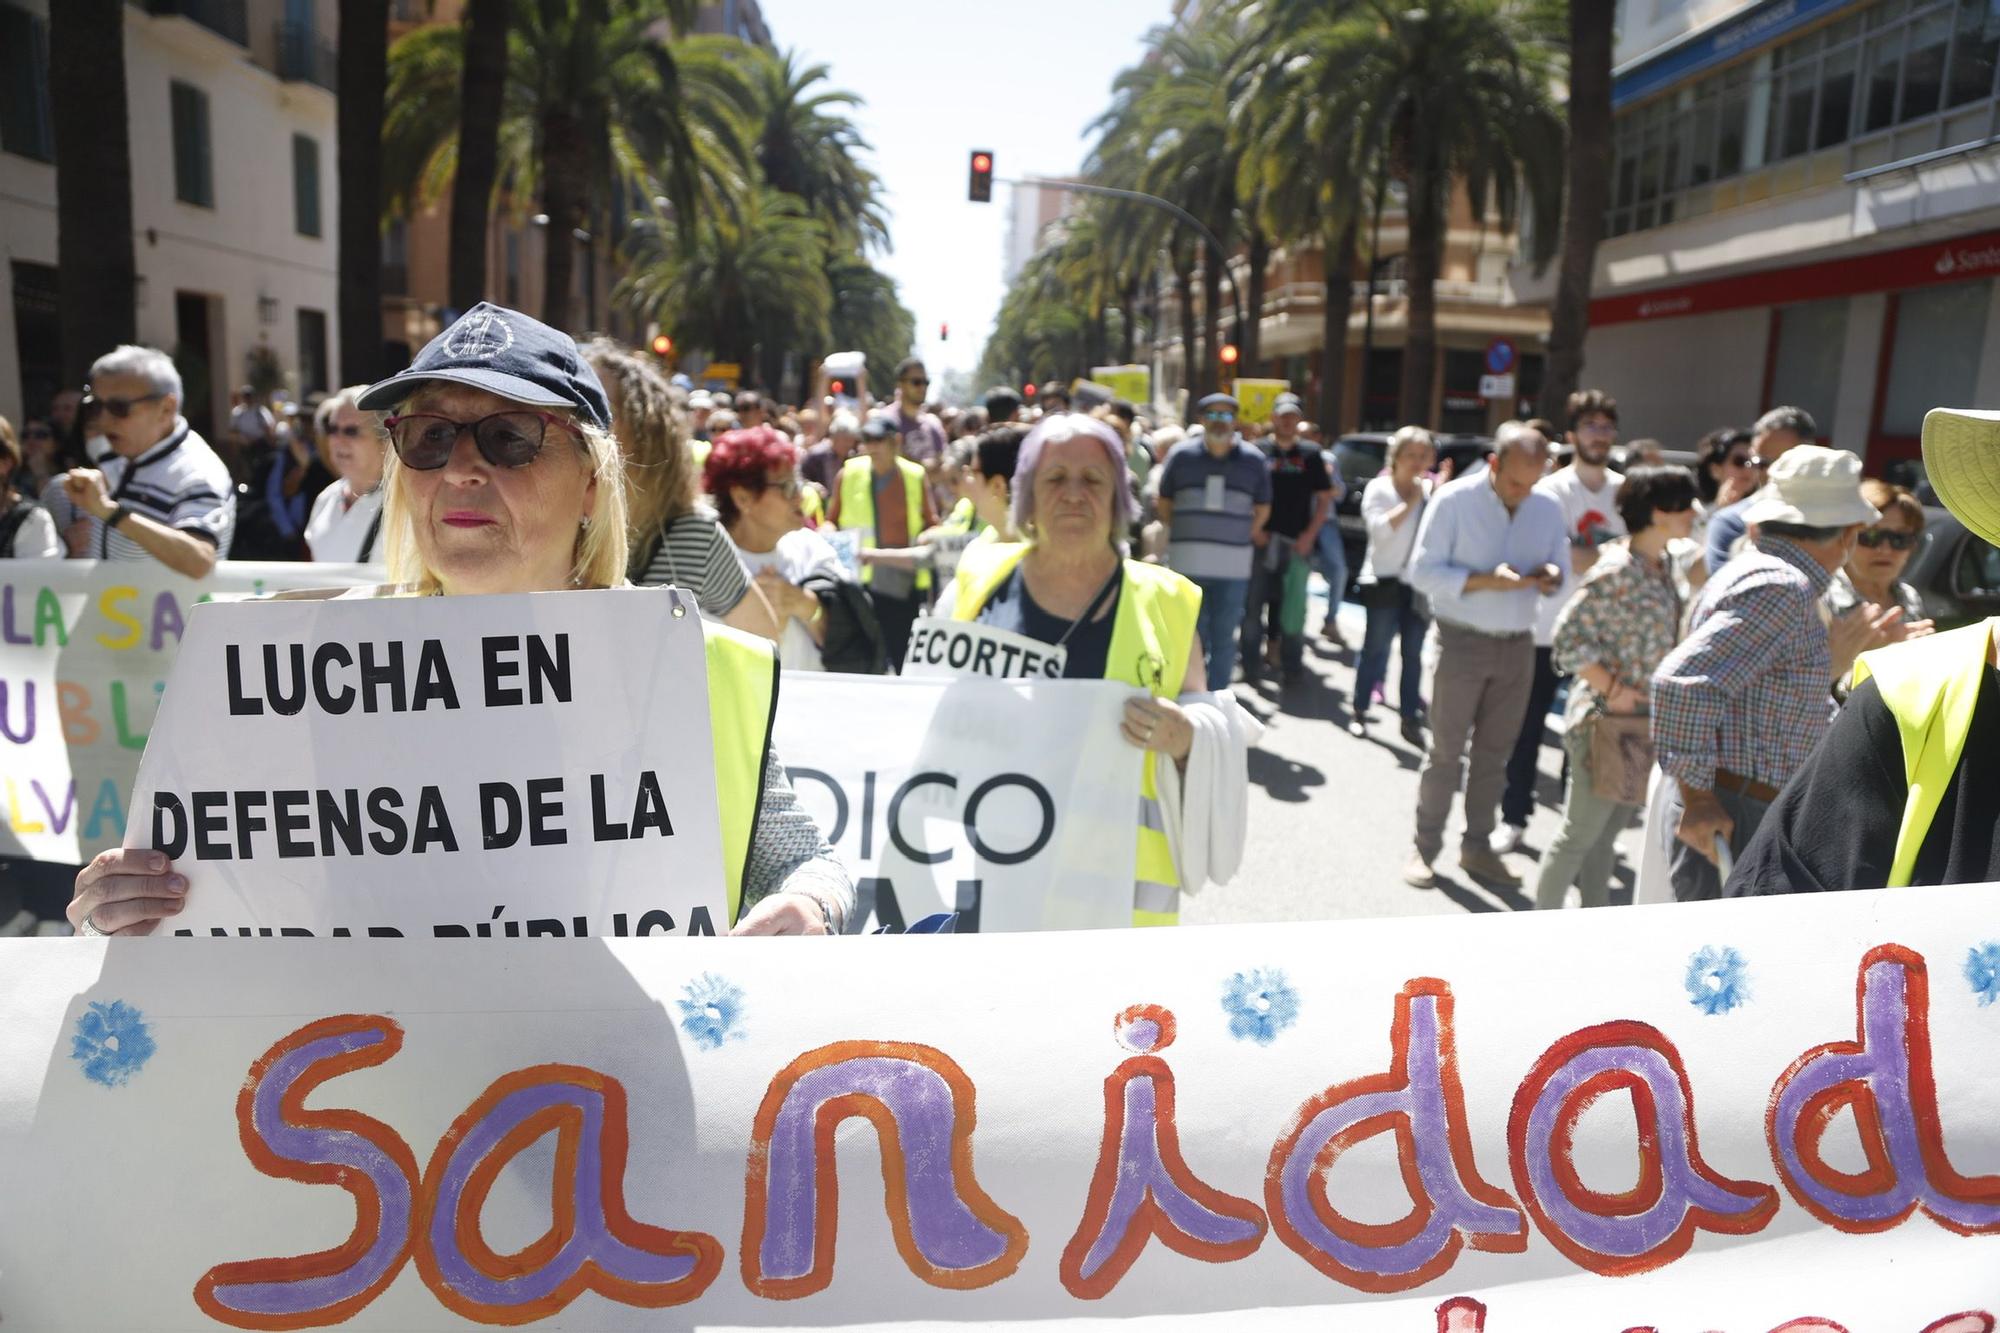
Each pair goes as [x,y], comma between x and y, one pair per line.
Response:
[752,476]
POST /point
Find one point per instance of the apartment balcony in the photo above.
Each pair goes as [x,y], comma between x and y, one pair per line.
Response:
[305,57]
[229,19]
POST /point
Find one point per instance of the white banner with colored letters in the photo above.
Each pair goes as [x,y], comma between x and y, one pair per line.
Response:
[1747,1116]
[85,648]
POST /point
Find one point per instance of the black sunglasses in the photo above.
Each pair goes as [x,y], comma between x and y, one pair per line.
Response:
[117,407]
[918,380]
[1895,541]
[38,433]
[505,439]
[352,430]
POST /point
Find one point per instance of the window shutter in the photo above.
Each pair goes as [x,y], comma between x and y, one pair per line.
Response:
[305,185]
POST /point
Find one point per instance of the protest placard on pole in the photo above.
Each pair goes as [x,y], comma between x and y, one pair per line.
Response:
[1258,397]
[85,647]
[537,763]
[1752,1116]
[1014,804]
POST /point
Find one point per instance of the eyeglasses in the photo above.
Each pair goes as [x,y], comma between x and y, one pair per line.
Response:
[789,487]
[1759,463]
[1895,541]
[1218,416]
[919,381]
[1739,460]
[505,439]
[351,431]
[38,433]
[117,407]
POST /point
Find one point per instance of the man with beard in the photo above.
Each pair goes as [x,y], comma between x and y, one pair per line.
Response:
[1587,490]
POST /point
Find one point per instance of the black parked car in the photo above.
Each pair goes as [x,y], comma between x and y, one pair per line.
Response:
[1360,456]
[1956,574]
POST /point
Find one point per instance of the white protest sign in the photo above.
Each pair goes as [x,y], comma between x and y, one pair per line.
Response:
[85,646]
[1748,1116]
[538,763]
[1015,805]
[944,647]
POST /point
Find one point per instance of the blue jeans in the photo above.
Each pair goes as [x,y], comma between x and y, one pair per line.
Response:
[1330,558]
[1222,602]
[1387,626]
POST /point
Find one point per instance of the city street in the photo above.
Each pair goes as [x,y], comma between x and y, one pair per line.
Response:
[1330,815]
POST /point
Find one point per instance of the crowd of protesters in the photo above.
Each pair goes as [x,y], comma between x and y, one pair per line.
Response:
[1709,618]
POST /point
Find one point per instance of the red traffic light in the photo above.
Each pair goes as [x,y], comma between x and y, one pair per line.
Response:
[1028,390]
[944,333]
[981,162]
[1229,354]
[979,188]
[836,386]
[663,346]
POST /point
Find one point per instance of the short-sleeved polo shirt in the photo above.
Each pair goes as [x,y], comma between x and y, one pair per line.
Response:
[179,482]
[1213,499]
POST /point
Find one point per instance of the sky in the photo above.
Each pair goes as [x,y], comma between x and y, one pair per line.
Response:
[940,78]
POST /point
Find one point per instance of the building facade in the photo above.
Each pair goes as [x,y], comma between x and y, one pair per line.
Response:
[235,195]
[1805,209]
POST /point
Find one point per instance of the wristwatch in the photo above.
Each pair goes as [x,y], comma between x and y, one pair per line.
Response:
[119,514]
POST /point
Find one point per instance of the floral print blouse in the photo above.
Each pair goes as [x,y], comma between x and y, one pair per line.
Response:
[1625,616]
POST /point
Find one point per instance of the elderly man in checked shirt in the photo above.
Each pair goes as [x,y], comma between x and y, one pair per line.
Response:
[1741,703]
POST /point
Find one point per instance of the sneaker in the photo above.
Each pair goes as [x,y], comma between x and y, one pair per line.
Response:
[1357,726]
[1418,873]
[1509,838]
[1413,733]
[1484,864]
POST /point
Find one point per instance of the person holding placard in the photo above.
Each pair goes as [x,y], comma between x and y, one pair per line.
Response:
[1068,583]
[504,478]
[753,475]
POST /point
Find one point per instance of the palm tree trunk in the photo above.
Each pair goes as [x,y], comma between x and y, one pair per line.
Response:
[1191,357]
[1337,263]
[1253,318]
[1427,218]
[363,75]
[1128,306]
[482,87]
[93,182]
[1374,268]
[1211,315]
[1096,339]
[1583,209]
[564,189]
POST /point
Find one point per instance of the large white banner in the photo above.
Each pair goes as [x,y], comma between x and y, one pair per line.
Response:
[540,763]
[1014,804]
[85,647]
[1742,1116]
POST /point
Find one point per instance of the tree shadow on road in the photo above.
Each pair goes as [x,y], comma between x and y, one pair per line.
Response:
[1283,779]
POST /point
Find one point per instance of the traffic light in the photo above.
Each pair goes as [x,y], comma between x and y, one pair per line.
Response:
[980,188]
[1027,391]
[663,346]
[1229,354]
[944,333]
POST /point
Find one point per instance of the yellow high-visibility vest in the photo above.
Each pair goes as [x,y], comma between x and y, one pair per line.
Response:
[857,504]
[1152,636]
[742,702]
[1930,686]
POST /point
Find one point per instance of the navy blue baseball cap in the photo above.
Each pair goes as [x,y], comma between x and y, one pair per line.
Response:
[1218,400]
[507,353]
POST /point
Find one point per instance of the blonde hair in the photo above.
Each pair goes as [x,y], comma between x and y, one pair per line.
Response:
[661,481]
[599,560]
[1405,438]
[322,420]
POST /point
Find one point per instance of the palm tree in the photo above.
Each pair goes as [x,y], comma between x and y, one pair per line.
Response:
[867,315]
[1457,91]
[748,287]
[361,72]
[482,93]
[807,147]
[1589,173]
[598,96]
[93,149]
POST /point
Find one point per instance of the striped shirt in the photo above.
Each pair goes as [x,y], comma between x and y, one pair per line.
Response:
[1750,689]
[695,553]
[178,482]
[1213,500]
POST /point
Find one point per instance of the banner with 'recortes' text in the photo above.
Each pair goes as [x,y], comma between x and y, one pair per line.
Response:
[1744,1116]
[1012,803]
[85,648]
[532,764]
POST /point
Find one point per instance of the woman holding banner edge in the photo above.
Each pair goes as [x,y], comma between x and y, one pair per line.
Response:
[1069,582]
[504,478]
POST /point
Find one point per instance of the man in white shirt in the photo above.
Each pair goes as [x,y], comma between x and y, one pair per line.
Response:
[1587,490]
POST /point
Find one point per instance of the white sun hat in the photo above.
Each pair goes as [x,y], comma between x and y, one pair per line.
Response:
[1962,459]
[1814,487]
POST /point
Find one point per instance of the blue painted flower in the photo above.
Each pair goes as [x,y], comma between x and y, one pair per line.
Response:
[711,1010]
[1717,980]
[111,1043]
[1982,971]
[1260,1004]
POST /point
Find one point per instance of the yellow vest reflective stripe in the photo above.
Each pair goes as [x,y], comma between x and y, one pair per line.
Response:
[1151,639]
[1930,687]
[857,504]
[742,702]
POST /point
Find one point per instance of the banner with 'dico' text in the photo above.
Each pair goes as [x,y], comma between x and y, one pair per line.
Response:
[1013,803]
[534,764]
[1741,1116]
[85,648]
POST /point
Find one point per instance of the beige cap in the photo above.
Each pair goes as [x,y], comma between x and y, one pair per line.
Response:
[1962,458]
[1815,487]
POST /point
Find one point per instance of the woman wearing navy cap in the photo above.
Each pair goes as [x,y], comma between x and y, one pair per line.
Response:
[503,477]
